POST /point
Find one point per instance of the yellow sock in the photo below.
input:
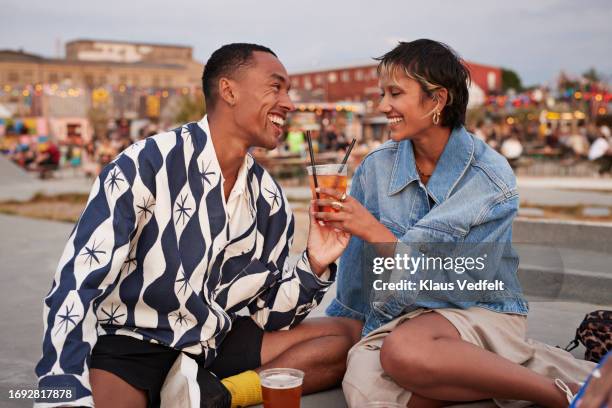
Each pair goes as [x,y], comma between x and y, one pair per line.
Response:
[245,389]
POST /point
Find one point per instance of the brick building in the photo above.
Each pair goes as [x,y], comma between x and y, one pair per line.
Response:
[360,83]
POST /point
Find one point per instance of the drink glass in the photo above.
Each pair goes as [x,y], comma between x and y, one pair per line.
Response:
[330,176]
[281,387]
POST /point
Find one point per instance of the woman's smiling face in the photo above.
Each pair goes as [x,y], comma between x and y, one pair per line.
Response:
[406,106]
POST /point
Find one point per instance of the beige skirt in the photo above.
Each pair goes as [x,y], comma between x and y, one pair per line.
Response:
[502,334]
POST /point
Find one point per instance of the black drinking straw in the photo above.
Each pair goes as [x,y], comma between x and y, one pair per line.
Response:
[346,156]
[312,162]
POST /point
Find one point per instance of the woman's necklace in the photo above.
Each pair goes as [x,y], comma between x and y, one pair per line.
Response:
[421,172]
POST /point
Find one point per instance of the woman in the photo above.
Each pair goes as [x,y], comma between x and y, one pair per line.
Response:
[435,188]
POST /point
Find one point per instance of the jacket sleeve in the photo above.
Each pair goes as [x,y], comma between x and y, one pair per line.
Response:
[489,239]
[294,289]
[88,269]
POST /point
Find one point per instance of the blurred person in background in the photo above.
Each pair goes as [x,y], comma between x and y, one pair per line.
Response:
[90,164]
[47,160]
[512,148]
[329,139]
[105,152]
[601,151]
[579,143]
[479,131]
[295,141]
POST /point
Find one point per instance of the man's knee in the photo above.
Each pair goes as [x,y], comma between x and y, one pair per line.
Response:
[345,327]
[340,333]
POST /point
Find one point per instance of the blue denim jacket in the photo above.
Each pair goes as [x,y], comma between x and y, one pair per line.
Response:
[470,198]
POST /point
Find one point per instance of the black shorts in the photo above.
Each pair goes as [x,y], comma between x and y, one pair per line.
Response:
[145,365]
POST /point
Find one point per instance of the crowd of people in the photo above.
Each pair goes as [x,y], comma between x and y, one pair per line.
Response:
[585,142]
[568,144]
[44,155]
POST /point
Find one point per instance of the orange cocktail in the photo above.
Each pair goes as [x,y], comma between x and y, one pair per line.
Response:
[332,176]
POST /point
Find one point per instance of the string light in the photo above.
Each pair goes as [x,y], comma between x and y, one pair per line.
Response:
[55,89]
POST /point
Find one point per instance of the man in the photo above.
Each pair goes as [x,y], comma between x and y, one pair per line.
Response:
[183,230]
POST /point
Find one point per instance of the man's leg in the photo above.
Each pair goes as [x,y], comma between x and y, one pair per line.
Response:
[110,391]
[317,346]
[128,372]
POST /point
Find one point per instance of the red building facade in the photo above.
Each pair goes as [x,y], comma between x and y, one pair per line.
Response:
[360,83]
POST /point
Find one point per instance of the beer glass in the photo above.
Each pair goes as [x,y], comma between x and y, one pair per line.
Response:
[281,387]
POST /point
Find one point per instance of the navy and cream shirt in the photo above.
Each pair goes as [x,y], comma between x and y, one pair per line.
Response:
[159,254]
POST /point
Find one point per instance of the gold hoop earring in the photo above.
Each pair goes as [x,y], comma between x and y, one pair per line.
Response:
[436,118]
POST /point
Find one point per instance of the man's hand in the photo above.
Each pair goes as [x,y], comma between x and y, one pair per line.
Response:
[325,244]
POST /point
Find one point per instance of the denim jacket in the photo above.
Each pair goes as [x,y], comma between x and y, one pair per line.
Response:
[470,198]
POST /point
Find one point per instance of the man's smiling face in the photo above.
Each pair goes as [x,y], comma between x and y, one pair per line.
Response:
[262,100]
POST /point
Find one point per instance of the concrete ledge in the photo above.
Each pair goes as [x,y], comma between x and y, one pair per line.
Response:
[545,284]
[564,234]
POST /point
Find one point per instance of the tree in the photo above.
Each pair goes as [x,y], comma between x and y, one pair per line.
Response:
[511,80]
[190,109]
[591,75]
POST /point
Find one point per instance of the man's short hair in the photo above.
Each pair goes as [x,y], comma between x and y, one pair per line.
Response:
[224,62]
[433,65]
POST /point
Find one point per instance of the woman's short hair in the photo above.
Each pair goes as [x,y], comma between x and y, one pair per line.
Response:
[433,65]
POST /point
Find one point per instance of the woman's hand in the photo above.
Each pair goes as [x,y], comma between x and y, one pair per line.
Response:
[599,390]
[325,245]
[351,217]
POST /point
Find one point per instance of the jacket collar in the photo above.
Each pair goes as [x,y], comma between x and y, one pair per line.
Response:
[451,166]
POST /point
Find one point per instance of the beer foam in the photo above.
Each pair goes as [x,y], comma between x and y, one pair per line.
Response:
[281,381]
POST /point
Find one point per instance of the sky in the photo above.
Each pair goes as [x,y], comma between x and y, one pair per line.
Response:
[537,39]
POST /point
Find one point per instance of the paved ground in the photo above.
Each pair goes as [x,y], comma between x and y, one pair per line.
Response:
[22,189]
[10,173]
[31,249]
